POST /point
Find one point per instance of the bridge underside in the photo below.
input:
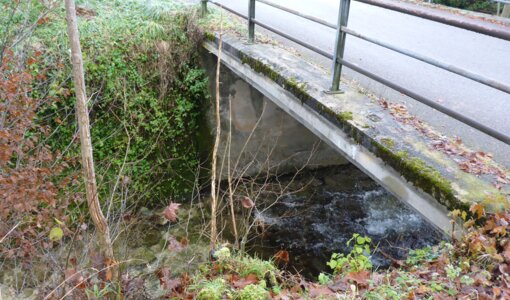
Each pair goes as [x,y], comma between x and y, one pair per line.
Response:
[363,130]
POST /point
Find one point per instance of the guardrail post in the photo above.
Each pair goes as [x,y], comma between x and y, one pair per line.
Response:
[204,7]
[343,16]
[251,24]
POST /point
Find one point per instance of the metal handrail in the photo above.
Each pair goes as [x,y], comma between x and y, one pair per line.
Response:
[299,14]
[498,7]
[204,8]
[424,14]
[338,61]
[445,66]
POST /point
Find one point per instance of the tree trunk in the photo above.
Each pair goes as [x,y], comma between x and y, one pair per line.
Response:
[214,194]
[506,11]
[86,142]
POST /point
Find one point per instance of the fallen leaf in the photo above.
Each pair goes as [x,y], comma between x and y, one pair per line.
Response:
[477,209]
[422,289]
[74,278]
[339,286]
[97,260]
[166,281]
[504,269]
[500,230]
[361,277]
[108,272]
[185,279]
[506,255]
[56,234]
[242,282]
[317,291]
[496,291]
[170,211]
[282,256]
[247,202]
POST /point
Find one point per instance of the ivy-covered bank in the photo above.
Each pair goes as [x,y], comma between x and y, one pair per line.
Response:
[146,93]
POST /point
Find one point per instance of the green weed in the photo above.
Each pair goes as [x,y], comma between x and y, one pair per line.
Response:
[357,260]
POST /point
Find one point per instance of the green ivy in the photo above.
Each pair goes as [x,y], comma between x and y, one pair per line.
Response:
[147,94]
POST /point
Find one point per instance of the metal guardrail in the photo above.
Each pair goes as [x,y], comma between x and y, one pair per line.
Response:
[498,5]
[342,30]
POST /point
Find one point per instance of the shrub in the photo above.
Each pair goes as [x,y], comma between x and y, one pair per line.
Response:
[32,174]
[474,5]
[147,96]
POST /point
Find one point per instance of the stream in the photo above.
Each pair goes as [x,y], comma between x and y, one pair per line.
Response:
[340,201]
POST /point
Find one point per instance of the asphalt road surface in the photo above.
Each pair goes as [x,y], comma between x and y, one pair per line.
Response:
[478,53]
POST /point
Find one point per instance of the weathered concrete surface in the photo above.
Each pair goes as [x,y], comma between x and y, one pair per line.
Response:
[363,131]
[264,140]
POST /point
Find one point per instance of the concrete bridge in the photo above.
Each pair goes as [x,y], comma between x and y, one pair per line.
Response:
[276,98]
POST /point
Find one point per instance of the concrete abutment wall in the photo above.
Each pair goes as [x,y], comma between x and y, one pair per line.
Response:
[263,137]
[305,118]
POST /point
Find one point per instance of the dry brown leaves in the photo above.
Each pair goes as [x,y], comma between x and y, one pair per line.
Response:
[29,187]
[281,257]
[240,283]
[166,280]
[170,212]
[319,291]
[85,12]
[472,162]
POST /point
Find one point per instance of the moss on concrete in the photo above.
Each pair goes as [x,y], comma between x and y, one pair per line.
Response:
[420,174]
[469,188]
[341,118]
[390,143]
[290,84]
[295,87]
[260,67]
[209,36]
[345,116]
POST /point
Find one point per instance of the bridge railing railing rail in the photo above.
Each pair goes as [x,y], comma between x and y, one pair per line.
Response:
[342,30]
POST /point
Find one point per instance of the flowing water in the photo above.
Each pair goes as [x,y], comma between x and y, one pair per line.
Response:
[340,201]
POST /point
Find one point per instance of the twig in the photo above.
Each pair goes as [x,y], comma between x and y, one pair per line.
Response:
[214,200]
[12,229]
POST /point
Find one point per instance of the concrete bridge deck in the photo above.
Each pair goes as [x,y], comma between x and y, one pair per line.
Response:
[421,167]
[469,50]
